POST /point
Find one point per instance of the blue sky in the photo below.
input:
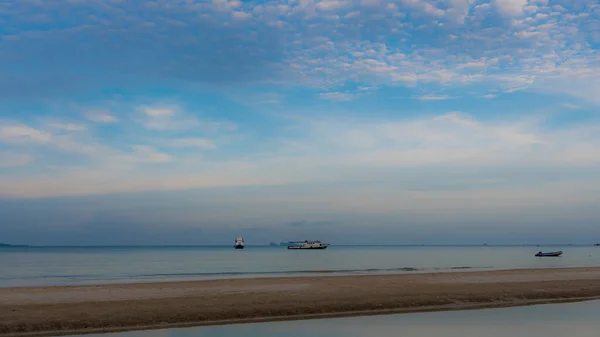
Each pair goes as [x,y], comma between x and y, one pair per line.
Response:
[352,121]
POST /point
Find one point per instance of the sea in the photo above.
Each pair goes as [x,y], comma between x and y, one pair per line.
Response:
[549,320]
[51,266]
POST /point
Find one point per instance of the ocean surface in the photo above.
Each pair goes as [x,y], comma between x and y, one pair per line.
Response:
[551,320]
[44,266]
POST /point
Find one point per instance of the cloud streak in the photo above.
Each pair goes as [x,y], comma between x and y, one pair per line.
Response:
[100,117]
[328,152]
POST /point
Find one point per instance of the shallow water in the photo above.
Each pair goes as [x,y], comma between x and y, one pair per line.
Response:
[100,265]
[552,320]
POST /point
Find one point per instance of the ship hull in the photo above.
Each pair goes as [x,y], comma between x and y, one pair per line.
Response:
[289,247]
[551,254]
[238,247]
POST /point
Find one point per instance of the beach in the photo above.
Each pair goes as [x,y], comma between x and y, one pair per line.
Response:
[62,310]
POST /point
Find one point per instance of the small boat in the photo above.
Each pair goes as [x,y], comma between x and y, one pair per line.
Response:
[549,254]
[239,243]
[307,245]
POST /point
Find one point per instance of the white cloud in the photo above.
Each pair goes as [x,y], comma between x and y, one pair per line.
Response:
[158,112]
[8,160]
[433,97]
[72,142]
[175,119]
[330,5]
[432,10]
[489,96]
[148,154]
[510,7]
[241,15]
[533,69]
[424,6]
[527,35]
[340,150]
[101,117]
[572,106]
[337,96]
[115,162]
[67,126]
[352,15]
[20,133]
[167,119]
[201,143]
[320,44]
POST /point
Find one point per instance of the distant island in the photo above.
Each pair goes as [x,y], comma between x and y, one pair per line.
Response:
[4,245]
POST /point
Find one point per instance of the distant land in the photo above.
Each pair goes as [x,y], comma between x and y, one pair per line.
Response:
[7,245]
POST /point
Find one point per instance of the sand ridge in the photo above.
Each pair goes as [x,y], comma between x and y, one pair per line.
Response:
[80,309]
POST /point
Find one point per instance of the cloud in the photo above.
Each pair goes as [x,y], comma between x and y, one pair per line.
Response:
[158,112]
[337,96]
[330,5]
[192,142]
[20,133]
[241,15]
[48,136]
[322,45]
[67,126]
[572,106]
[167,119]
[49,141]
[101,117]
[343,150]
[510,7]
[489,96]
[352,15]
[8,160]
[147,154]
[433,97]
[174,118]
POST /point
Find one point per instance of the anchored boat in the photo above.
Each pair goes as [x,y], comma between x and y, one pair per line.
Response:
[307,245]
[239,243]
[549,254]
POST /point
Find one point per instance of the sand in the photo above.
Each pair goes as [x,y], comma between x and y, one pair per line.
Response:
[51,311]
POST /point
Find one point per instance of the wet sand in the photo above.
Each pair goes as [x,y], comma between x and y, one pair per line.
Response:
[52,311]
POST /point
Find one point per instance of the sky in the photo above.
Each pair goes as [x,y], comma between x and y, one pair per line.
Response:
[372,121]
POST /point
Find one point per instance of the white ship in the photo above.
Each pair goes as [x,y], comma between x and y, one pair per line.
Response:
[239,243]
[307,245]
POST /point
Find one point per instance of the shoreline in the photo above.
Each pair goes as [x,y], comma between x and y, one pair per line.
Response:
[67,310]
[285,275]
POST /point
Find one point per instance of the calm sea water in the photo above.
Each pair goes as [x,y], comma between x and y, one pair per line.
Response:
[100,265]
[553,320]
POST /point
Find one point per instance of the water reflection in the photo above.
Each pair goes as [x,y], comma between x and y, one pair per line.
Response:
[573,320]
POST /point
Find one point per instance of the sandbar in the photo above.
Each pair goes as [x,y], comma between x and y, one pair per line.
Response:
[66,310]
